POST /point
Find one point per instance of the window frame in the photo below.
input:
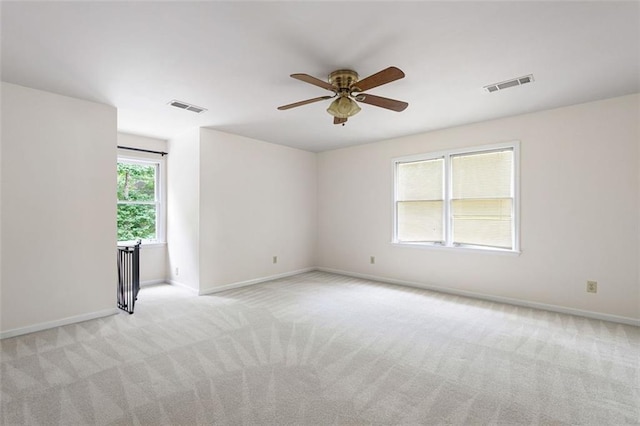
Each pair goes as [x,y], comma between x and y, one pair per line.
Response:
[448,192]
[160,182]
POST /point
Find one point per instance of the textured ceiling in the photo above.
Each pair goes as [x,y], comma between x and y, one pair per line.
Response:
[234,58]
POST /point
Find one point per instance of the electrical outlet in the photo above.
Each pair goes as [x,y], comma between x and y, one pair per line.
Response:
[372,260]
[177,271]
[275,259]
[592,286]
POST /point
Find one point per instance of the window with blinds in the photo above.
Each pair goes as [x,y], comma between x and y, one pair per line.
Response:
[482,199]
[462,198]
[420,201]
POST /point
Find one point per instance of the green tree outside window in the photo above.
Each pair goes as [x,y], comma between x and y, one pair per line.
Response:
[137,201]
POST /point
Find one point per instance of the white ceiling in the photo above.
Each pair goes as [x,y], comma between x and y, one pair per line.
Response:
[234,58]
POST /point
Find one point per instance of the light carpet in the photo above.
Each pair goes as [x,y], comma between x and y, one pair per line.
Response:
[320,349]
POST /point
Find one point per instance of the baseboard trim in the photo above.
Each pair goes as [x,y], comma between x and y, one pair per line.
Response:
[57,323]
[500,299]
[254,281]
[152,282]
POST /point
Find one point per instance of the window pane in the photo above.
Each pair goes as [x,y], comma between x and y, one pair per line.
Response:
[136,221]
[420,180]
[486,175]
[136,182]
[484,222]
[420,220]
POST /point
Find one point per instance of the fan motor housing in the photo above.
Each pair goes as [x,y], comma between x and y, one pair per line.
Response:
[343,79]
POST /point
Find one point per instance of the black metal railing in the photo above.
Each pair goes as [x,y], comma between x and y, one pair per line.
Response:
[128,276]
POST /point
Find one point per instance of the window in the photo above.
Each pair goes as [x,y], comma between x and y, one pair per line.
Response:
[463,198]
[420,207]
[140,210]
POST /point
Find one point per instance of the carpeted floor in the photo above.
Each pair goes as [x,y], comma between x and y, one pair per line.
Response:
[318,349]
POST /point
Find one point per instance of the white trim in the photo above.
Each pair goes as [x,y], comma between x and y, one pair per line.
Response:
[516,197]
[58,323]
[499,299]
[182,285]
[146,244]
[254,281]
[152,282]
[518,302]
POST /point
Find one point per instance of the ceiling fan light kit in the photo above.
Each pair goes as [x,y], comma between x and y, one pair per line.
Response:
[345,84]
[343,107]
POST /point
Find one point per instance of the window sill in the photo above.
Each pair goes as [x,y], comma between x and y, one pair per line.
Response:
[488,250]
[145,244]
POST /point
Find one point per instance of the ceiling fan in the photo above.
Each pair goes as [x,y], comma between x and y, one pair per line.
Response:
[347,89]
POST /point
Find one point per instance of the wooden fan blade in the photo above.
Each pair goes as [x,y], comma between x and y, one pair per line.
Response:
[381,102]
[308,101]
[337,120]
[378,79]
[315,81]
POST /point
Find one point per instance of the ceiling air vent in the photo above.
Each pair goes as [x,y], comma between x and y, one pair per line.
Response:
[509,83]
[187,106]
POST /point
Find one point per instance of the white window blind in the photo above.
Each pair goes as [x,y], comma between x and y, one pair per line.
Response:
[461,198]
[482,199]
[420,201]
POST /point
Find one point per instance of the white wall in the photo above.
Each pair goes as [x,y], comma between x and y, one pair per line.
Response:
[142,142]
[234,202]
[58,209]
[257,200]
[153,257]
[183,204]
[579,210]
